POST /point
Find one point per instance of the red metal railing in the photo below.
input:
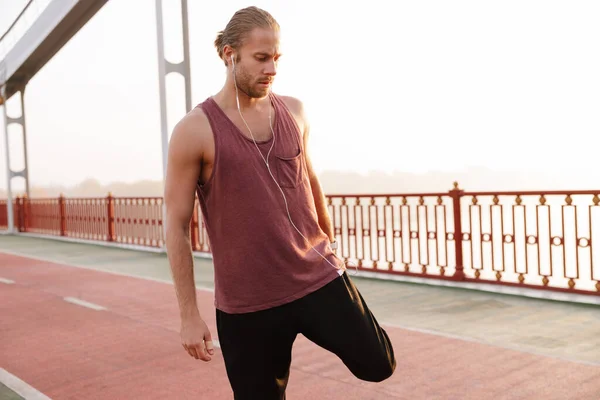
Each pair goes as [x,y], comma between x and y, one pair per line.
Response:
[523,239]
[198,233]
[135,221]
[3,215]
[407,234]
[127,220]
[43,216]
[542,240]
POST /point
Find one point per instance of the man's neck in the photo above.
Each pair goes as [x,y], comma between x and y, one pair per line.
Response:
[227,99]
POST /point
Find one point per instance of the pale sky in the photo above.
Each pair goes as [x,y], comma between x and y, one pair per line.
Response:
[409,86]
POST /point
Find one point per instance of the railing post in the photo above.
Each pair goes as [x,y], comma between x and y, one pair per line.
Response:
[456,195]
[110,217]
[24,223]
[194,228]
[62,215]
[17,214]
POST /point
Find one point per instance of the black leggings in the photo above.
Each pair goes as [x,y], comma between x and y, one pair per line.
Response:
[257,346]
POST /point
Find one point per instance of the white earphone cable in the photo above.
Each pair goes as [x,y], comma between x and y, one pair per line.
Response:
[266,161]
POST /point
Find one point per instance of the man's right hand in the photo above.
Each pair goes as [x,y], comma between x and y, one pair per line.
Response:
[196,338]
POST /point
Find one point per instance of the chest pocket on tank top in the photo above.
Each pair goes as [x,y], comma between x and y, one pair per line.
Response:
[289,169]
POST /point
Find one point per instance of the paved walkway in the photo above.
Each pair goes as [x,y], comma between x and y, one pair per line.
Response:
[451,344]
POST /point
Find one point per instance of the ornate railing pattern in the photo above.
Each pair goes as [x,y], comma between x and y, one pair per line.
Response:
[548,240]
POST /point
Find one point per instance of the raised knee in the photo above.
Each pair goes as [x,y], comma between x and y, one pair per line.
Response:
[381,371]
[385,371]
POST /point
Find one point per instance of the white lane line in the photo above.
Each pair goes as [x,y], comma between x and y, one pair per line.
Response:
[7,281]
[83,303]
[21,388]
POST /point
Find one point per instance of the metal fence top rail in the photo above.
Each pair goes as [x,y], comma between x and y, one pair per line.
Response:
[432,194]
[534,193]
[470,193]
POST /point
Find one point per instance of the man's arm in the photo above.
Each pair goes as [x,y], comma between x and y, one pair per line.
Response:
[183,169]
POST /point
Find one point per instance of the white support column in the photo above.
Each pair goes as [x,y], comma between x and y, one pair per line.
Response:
[162,86]
[25,158]
[10,173]
[186,70]
[164,68]
[9,202]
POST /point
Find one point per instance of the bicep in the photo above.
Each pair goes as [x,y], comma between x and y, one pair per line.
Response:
[184,163]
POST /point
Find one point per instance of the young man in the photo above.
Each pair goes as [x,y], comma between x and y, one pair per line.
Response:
[243,152]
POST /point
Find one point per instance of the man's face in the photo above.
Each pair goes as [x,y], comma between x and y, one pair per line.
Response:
[256,62]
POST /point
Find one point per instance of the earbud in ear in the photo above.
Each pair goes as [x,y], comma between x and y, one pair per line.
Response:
[233,62]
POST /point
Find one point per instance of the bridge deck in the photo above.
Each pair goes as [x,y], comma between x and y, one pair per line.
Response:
[450,343]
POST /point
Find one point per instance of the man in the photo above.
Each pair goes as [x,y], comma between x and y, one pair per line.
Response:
[243,152]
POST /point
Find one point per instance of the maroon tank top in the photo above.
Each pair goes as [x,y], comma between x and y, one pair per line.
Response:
[260,260]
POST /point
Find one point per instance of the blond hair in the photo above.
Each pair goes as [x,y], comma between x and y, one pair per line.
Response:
[240,25]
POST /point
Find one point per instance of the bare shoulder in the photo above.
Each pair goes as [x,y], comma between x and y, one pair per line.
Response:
[293,103]
[296,107]
[192,134]
[190,146]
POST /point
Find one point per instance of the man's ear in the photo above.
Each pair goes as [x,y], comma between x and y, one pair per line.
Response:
[227,53]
